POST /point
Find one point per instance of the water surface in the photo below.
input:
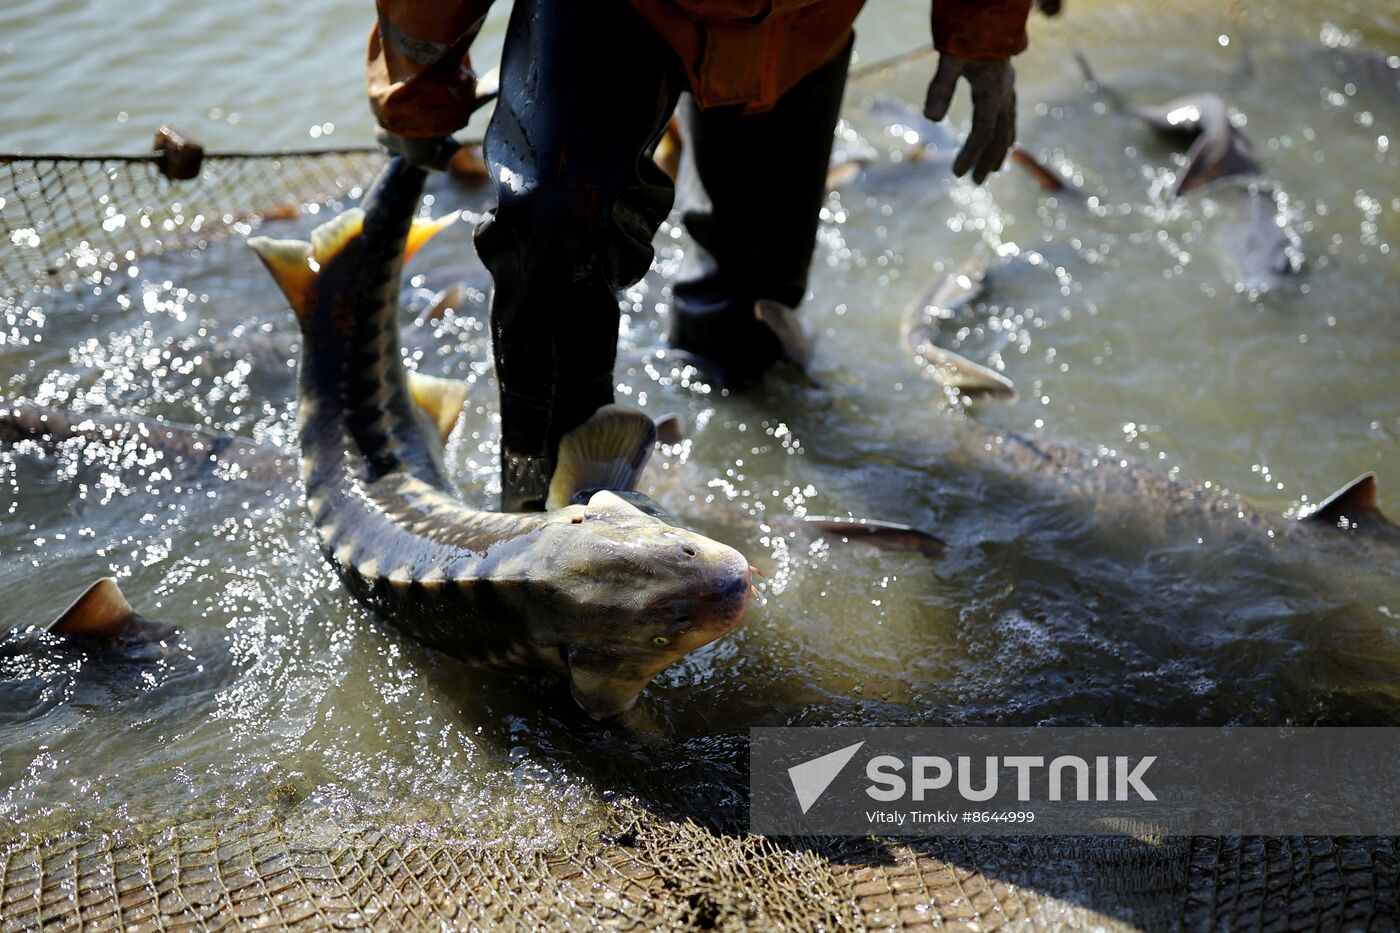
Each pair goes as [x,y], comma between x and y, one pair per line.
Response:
[1126,326]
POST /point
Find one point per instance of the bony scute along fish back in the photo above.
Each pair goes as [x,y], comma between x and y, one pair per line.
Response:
[597,588]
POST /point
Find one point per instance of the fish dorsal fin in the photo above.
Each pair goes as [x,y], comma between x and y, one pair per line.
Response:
[783,321]
[335,234]
[440,399]
[608,451]
[424,229]
[289,263]
[101,610]
[670,428]
[1355,503]
[451,298]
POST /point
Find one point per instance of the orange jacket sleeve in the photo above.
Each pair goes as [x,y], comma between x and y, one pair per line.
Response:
[980,28]
[419,74]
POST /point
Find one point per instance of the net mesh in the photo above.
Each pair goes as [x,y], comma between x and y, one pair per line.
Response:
[243,870]
[65,218]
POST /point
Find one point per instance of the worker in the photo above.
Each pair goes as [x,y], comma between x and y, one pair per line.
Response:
[587,88]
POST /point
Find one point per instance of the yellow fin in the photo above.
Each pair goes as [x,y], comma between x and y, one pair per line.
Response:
[608,451]
[333,235]
[289,263]
[424,229]
[101,610]
[440,399]
[668,150]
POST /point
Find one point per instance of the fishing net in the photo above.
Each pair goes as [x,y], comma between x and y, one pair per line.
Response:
[66,218]
[241,870]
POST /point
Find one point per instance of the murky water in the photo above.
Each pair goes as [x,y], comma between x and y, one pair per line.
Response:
[1127,326]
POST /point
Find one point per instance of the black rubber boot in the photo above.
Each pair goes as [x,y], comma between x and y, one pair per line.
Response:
[586,91]
[750,193]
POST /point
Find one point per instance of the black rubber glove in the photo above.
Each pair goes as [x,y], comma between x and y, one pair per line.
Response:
[993,82]
[430,153]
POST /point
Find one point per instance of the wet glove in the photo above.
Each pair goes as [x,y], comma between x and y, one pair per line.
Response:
[430,153]
[993,109]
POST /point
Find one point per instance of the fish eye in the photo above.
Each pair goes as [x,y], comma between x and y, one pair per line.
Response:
[661,641]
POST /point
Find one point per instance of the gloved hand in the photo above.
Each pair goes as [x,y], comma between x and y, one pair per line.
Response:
[430,153]
[993,110]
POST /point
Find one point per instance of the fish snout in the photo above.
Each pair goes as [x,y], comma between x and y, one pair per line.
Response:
[717,607]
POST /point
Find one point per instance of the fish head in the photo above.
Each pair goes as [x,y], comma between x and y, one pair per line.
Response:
[632,594]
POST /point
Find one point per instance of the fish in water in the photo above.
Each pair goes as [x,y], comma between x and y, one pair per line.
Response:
[1221,152]
[595,589]
[920,327]
[101,618]
[1141,495]
[1221,156]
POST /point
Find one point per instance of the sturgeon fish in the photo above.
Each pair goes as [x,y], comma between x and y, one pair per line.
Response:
[596,589]
[920,328]
[1220,152]
[99,618]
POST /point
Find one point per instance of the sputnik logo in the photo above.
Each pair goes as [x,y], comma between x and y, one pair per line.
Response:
[811,778]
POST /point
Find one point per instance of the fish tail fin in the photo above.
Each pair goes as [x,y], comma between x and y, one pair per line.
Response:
[296,264]
[289,263]
[608,451]
[424,229]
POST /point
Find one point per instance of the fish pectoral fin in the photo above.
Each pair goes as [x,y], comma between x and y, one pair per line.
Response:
[335,234]
[440,399]
[608,451]
[1354,504]
[289,261]
[1046,179]
[887,536]
[792,334]
[596,684]
[961,374]
[424,229]
[101,610]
